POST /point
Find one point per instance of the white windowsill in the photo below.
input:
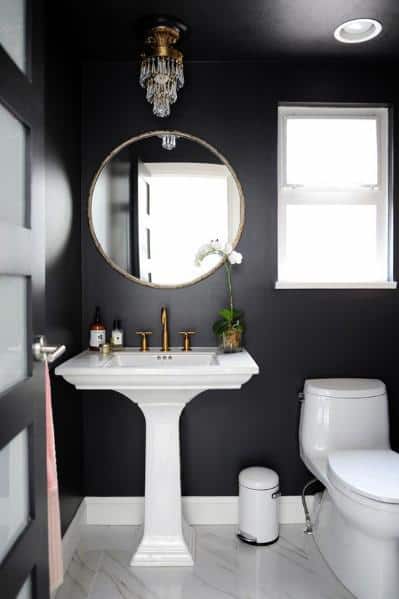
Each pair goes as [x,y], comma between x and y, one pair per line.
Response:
[304,285]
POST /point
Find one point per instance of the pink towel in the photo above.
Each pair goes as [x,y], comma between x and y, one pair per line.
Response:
[54,523]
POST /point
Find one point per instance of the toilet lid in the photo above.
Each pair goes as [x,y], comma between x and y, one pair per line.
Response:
[370,473]
[345,388]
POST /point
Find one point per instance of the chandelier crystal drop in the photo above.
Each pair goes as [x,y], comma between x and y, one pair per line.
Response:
[161,70]
[162,78]
[168,141]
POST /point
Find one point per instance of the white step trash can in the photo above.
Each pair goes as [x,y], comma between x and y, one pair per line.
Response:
[258,506]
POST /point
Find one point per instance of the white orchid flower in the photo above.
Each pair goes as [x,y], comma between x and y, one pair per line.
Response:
[215,247]
[232,320]
[234,257]
[204,250]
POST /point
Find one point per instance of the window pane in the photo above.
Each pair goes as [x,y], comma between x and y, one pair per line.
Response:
[332,152]
[13,30]
[12,169]
[14,491]
[13,342]
[333,243]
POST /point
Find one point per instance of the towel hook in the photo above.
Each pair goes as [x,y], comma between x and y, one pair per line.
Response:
[43,352]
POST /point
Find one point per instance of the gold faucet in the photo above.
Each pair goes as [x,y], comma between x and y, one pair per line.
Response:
[165,332]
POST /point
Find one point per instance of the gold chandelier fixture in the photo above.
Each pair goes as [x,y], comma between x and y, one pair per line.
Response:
[161,71]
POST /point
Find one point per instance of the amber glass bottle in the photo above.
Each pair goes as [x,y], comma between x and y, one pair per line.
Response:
[97,332]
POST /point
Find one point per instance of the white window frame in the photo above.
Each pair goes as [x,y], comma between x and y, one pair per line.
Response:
[377,195]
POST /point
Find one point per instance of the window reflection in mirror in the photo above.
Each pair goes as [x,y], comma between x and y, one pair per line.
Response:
[152,209]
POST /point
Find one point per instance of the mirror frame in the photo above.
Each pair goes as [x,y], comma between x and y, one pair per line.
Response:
[140,137]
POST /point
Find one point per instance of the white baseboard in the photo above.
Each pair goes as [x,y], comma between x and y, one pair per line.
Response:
[117,511]
[197,510]
[125,511]
[72,536]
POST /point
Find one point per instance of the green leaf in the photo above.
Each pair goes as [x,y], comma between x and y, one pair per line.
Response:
[226,313]
[230,315]
[220,326]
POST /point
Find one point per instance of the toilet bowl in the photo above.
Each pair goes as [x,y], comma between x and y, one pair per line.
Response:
[344,442]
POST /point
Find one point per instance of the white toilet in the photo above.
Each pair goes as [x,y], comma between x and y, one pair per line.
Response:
[344,442]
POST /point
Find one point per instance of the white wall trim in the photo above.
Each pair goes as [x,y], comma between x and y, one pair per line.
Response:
[72,536]
[114,510]
[365,285]
[197,510]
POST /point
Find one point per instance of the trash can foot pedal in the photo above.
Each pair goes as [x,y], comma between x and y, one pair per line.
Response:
[252,541]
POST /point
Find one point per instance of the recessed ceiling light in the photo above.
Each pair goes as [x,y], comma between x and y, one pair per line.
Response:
[357,31]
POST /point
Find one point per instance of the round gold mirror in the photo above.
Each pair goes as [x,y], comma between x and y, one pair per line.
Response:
[156,199]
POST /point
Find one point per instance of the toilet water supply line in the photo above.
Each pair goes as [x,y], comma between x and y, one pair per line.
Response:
[309,527]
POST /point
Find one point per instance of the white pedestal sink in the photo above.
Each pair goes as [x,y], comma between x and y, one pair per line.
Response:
[161,384]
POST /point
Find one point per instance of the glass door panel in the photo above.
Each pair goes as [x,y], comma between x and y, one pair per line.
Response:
[13,341]
[14,491]
[13,30]
[26,591]
[13,179]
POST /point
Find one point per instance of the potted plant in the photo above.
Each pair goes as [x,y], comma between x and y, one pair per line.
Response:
[230,327]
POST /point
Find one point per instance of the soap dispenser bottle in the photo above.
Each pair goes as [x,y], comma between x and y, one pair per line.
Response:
[117,335]
[97,331]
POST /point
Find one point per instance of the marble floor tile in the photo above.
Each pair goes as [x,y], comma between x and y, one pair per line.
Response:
[224,568]
[80,575]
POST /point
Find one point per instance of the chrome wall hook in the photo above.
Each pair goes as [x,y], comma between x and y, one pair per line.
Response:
[43,352]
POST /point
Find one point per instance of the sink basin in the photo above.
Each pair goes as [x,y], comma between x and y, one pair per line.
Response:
[188,373]
[157,359]
[161,383]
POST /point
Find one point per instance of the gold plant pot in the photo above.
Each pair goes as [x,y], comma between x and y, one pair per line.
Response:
[231,341]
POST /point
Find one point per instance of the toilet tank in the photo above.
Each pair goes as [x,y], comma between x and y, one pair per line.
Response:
[342,414]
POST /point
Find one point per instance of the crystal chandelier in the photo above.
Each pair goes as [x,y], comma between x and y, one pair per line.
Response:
[161,72]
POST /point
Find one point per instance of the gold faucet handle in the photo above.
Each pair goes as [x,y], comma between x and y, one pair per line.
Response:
[187,339]
[144,345]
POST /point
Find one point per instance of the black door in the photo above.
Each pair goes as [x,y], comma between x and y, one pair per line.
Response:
[23,498]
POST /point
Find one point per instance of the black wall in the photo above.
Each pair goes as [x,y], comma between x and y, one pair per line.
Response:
[292,334]
[63,262]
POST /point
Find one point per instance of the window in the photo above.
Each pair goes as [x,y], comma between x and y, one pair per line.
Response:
[333,209]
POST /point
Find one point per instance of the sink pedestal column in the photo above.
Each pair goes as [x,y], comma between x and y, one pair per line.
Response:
[163,542]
